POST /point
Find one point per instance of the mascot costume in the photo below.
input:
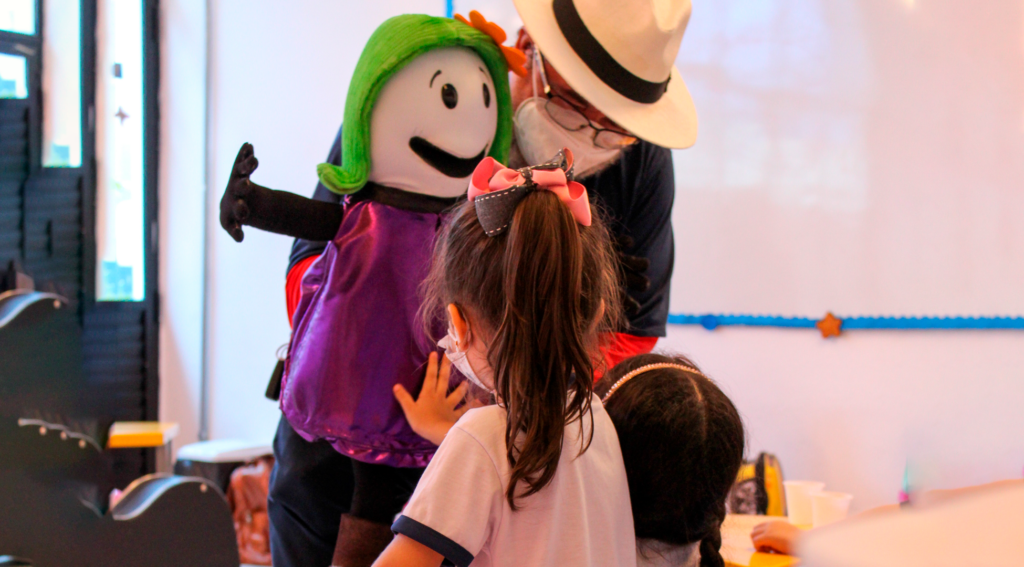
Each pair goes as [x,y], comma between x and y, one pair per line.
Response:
[428,101]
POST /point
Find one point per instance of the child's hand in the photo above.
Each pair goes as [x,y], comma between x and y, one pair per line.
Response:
[434,412]
[776,536]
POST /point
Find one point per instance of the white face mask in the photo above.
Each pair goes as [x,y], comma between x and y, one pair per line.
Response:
[458,358]
[539,137]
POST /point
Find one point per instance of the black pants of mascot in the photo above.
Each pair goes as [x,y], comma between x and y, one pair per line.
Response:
[312,508]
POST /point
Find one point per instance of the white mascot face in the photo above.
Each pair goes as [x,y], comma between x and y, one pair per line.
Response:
[433,122]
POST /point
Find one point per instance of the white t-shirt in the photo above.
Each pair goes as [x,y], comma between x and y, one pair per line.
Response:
[582,517]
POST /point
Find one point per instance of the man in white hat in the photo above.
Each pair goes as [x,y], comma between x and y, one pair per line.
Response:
[601,81]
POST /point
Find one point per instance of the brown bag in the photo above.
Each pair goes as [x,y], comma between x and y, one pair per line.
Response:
[247,496]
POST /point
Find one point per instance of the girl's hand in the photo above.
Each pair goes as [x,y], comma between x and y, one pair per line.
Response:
[434,412]
[777,535]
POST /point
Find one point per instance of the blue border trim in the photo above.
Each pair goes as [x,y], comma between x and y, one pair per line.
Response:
[433,539]
[713,321]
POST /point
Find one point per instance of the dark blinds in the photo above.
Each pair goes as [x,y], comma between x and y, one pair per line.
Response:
[114,348]
[53,231]
[14,160]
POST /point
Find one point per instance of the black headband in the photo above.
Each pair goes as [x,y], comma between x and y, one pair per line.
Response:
[600,61]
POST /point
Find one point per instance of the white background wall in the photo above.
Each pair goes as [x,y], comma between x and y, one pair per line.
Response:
[850,411]
[854,411]
[182,106]
[864,157]
[859,156]
[279,78]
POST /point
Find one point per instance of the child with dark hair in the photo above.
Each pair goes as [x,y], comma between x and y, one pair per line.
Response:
[682,443]
[526,277]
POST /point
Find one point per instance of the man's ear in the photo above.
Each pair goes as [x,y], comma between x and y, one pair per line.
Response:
[459,325]
[524,42]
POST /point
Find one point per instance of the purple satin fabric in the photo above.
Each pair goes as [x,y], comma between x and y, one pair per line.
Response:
[357,334]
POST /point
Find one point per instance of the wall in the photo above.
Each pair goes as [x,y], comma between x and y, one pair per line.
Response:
[873,185]
[854,410]
[850,411]
[840,166]
[181,183]
[279,74]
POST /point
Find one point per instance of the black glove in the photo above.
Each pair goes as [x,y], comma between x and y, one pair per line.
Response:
[234,208]
[281,212]
[632,269]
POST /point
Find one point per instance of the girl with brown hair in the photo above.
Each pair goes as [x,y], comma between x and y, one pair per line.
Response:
[524,273]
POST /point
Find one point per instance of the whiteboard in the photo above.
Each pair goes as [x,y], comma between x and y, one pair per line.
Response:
[863,157]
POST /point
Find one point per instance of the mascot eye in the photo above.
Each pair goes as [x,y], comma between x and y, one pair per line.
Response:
[449,95]
[487,96]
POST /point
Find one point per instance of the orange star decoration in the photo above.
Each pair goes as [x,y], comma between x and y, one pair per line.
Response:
[830,326]
[515,58]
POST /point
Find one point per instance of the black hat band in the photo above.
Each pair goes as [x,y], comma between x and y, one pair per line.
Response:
[598,60]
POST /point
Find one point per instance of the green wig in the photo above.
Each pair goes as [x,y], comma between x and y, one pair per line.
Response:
[395,43]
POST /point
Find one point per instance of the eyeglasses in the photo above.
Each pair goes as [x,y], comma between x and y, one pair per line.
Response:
[570,116]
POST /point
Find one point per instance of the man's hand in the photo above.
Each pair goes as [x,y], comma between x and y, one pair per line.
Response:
[434,413]
[233,207]
[777,535]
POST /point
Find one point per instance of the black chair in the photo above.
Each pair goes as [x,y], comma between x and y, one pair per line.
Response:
[55,474]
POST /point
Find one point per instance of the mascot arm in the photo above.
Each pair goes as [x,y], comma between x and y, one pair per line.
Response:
[281,212]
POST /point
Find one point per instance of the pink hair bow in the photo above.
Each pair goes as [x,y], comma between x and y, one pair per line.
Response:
[496,190]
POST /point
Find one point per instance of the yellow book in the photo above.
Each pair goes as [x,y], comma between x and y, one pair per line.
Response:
[138,434]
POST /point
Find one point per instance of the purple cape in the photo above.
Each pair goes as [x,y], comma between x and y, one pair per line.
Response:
[357,333]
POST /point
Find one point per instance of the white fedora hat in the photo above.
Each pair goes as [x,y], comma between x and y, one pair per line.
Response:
[620,55]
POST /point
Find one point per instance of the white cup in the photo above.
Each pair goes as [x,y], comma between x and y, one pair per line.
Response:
[798,500]
[829,507]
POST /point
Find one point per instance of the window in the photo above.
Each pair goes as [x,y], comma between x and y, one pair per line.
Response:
[18,16]
[62,84]
[13,76]
[120,128]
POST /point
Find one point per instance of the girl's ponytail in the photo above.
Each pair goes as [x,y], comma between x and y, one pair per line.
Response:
[543,349]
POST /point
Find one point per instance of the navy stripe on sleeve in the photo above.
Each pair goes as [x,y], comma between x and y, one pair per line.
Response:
[433,539]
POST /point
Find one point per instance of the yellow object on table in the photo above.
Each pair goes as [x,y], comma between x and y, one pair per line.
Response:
[738,550]
[139,434]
